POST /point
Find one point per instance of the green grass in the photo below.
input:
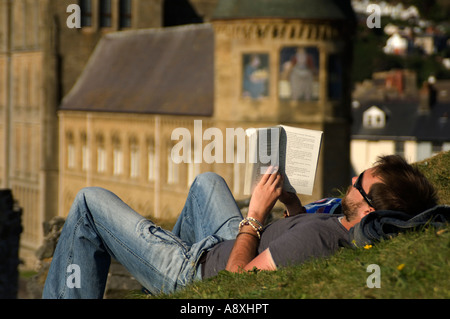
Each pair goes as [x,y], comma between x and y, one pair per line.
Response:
[412,265]
[424,257]
[437,170]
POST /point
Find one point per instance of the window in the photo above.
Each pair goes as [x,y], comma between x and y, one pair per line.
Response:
[101,159]
[101,154]
[374,117]
[172,169]
[71,156]
[125,14]
[86,13]
[400,148]
[193,171]
[17,164]
[151,162]
[84,153]
[193,168]
[436,147]
[84,158]
[70,150]
[134,158]
[118,161]
[117,156]
[105,13]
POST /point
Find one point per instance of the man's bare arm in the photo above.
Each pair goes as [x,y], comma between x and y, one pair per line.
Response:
[244,250]
[244,253]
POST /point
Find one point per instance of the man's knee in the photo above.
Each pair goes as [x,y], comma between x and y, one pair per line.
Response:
[90,191]
[87,194]
[209,178]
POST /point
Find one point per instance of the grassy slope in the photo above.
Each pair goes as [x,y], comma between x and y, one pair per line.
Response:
[412,265]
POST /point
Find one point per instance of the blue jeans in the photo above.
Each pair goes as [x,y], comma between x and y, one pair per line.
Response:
[100,226]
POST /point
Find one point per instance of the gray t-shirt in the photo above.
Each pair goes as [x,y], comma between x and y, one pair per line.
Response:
[291,241]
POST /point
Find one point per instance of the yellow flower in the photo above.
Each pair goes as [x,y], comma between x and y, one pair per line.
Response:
[401,266]
[367,246]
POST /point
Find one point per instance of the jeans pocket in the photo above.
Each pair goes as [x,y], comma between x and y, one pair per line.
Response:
[154,234]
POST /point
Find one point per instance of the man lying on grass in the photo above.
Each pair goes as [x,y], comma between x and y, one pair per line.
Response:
[211,235]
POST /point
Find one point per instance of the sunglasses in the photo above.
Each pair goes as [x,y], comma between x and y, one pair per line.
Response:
[358,186]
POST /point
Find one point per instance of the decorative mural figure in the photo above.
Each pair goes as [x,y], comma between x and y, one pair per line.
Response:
[299,73]
[256,75]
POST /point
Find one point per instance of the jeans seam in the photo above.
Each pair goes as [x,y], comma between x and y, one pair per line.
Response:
[70,256]
[196,201]
[128,249]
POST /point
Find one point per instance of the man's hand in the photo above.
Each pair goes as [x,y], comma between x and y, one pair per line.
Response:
[265,195]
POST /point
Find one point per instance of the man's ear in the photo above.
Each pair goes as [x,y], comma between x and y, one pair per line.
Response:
[368,210]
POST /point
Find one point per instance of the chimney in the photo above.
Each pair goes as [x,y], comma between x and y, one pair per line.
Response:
[427,96]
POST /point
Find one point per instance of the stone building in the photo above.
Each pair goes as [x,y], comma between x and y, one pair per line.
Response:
[116,124]
[40,60]
[254,63]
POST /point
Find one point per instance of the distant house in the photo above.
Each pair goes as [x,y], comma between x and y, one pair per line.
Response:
[413,128]
[396,44]
[426,43]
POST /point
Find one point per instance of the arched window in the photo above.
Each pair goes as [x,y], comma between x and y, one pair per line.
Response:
[125,14]
[134,158]
[117,156]
[101,154]
[173,169]
[105,14]
[151,159]
[84,153]
[71,157]
[86,13]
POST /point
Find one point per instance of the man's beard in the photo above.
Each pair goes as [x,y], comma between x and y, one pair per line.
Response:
[349,209]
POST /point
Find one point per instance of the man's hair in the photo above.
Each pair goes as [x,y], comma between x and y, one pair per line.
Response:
[404,187]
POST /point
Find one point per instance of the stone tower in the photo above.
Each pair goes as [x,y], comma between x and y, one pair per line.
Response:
[40,60]
[288,61]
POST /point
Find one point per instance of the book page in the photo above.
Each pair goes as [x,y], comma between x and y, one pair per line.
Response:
[299,154]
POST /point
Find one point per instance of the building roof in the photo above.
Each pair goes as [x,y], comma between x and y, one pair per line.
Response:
[400,122]
[158,71]
[434,125]
[404,122]
[286,9]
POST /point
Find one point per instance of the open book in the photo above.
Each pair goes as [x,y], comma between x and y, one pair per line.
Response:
[294,150]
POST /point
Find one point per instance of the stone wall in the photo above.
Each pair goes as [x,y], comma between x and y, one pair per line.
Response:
[10,230]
